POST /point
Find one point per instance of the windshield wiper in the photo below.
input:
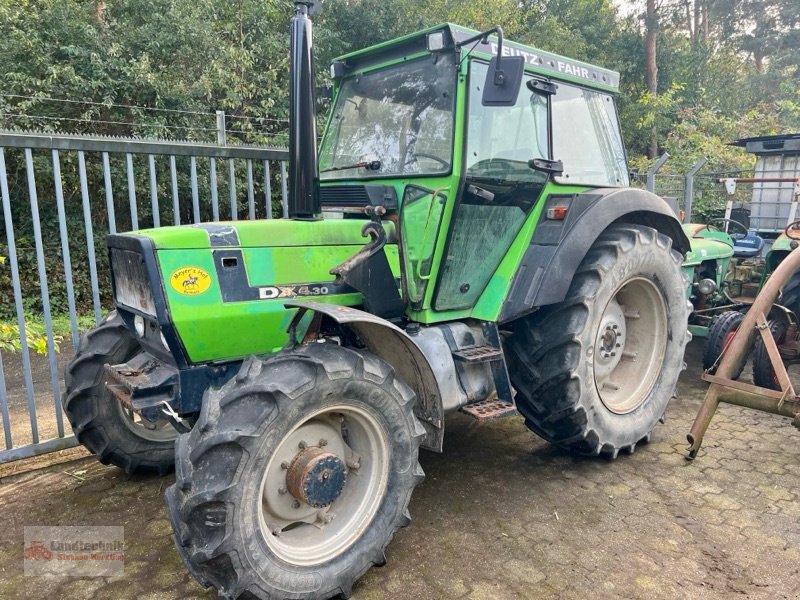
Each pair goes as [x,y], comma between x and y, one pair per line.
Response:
[369,165]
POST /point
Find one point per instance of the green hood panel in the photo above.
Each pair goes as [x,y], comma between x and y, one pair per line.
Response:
[226,284]
[706,244]
[262,233]
[782,243]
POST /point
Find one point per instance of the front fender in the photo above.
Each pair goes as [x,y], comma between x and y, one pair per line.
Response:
[392,344]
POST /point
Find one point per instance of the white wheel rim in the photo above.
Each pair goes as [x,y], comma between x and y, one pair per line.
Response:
[301,534]
[630,345]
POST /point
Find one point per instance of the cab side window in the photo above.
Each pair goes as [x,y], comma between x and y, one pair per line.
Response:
[586,138]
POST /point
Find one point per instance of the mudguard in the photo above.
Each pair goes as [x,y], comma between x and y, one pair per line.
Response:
[558,247]
[393,345]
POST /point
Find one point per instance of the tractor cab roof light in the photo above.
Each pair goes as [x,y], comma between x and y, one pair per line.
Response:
[435,41]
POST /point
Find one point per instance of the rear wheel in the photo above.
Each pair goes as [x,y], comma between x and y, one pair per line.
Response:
[100,422]
[723,328]
[297,475]
[763,373]
[595,373]
[790,294]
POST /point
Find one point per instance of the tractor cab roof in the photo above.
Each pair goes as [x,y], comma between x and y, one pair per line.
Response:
[537,61]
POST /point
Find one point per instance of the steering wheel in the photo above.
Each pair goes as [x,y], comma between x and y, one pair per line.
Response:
[715,223]
[794,226]
[417,156]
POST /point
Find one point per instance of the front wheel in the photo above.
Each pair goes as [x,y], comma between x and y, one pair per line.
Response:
[116,435]
[595,372]
[296,475]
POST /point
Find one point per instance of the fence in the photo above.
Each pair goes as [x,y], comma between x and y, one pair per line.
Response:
[61,194]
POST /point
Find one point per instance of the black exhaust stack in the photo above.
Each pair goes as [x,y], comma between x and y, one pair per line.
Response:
[303,168]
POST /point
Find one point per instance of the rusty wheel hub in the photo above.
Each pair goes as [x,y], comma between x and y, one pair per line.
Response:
[316,477]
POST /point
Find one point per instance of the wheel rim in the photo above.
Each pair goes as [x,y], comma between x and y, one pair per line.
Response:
[630,345]
[157,431]
[349,445]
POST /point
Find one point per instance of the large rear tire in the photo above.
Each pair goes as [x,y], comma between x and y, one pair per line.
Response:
[297,475]
[595,372]
[98,419]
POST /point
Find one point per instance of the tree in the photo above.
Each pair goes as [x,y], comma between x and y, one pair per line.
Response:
[651,66]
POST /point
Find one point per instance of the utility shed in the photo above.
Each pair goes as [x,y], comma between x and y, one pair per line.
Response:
[773,204]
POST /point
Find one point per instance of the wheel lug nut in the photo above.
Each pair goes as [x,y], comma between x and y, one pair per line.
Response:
[285,466]
[282,491]
[614,326]
[302,445]
[323,442]
[296,504]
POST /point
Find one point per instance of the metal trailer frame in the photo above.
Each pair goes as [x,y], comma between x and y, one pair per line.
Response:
[724,388]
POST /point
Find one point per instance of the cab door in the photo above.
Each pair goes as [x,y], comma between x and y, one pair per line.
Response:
[499,188]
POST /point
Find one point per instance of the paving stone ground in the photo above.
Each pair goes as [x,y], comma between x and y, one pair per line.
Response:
[501,515]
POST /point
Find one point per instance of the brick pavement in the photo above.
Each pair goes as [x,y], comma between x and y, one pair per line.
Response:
[501,515]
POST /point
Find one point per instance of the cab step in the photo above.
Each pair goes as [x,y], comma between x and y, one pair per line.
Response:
[478,354]
[489,410]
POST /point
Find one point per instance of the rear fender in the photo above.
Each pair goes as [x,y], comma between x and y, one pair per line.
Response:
[558,247]
[392,344]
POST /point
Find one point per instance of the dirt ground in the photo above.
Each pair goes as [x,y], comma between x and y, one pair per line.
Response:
[501,515]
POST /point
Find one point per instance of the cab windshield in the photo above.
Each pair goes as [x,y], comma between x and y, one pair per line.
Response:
[393,121]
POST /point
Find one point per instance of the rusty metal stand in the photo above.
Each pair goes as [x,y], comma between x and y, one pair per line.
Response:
[725,389]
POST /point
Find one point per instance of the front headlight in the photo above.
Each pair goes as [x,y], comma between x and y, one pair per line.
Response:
[138,325]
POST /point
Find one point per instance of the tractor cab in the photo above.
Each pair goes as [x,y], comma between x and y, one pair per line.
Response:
[420,126]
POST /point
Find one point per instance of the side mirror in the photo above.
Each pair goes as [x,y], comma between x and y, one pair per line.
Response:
[503,80]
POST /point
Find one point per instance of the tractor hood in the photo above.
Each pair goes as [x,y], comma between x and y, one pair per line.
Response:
[707,244]
[207,284]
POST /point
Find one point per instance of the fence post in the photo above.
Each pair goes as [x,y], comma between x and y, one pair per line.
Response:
[651,172]
[221,138]
[688,188]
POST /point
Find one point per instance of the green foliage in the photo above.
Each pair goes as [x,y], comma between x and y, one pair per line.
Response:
[726,69]
[11,340]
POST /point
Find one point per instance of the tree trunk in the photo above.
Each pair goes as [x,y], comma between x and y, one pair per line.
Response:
[651,68]
[758,59]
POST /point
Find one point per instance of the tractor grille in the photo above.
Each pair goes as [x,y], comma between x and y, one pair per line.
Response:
[131,286]
[358,196]
[344,195]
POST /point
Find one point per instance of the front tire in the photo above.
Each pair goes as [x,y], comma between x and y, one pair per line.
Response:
[98,419]
[595,372]
[252,512]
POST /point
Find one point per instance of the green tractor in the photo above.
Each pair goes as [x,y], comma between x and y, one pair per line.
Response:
[719,273]
[467,241]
